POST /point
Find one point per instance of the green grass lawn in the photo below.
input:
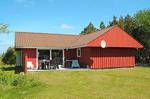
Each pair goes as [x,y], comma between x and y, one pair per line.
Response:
[125,83]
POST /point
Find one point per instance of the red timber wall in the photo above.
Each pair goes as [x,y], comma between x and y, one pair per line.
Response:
[96,57]
[112,57]
[31,56]
[84,60]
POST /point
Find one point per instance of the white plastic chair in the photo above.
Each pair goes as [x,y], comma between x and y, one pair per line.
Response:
[29,65]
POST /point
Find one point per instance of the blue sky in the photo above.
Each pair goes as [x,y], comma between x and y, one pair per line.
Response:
[61,16]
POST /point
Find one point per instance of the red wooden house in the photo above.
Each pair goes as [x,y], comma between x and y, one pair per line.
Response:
[108,48]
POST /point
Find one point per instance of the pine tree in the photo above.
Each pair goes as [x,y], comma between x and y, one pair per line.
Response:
[113,22]
[128,24]
[121,22]
[89,29]
[102,25]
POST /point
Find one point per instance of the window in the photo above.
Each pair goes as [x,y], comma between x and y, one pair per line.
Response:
[78,52]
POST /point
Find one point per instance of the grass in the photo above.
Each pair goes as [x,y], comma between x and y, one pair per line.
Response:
[93,84]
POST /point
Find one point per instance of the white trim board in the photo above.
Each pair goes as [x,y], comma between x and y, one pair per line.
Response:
[53,47]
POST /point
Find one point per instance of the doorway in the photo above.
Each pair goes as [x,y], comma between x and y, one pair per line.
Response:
[50,59]
[57,57]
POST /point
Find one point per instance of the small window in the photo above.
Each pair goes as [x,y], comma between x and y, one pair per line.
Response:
[78,52]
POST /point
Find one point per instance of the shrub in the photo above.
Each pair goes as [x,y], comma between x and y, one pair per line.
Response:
[1,63]
[9,57]
[17,80]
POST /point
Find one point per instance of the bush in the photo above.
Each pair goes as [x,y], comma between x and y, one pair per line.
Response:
[17,80]
[9,57]
[1,63]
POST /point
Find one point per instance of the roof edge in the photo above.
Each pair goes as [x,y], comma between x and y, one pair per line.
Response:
[133,39]
[104,33]
[47,33]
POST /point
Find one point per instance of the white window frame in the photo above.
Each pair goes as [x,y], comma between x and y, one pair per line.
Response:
[78,50]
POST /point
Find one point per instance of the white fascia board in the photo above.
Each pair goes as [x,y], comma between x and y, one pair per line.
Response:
[53,47]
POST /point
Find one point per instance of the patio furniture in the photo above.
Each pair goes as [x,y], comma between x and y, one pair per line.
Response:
[75,64]
[44,64]
[55,63]
[68,63]
[29,65]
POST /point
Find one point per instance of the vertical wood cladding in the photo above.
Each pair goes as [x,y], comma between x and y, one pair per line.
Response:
[112,57]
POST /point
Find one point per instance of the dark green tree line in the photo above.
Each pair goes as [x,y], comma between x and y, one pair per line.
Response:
[102,25]
[141,32]
[89,29]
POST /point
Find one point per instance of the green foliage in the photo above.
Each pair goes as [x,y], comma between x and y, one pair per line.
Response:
[1,63]
[113,22]
[4,28]
[19,80]
[102,25]
[128,24]
[121,22]
[9,57]
[89,29]
[141,32]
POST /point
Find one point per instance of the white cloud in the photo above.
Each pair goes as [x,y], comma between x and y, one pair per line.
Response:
[66,26]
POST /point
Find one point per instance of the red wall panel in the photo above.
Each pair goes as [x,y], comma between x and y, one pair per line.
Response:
[84,60]
[70,54]
[96,57]
[112,57]
[31,55]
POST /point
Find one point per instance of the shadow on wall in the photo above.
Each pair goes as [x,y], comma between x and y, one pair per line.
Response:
[86,64]
[90,63]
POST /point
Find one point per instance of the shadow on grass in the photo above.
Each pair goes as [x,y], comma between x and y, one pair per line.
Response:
[8,68]
[144,65]
[16,69]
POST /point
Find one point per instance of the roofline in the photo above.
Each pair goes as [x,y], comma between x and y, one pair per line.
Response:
[23,47]
[116,47]
[132,38]
[48,33]
[70,34]
[51,47]
[71,47]
[102,34]
[124,31]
